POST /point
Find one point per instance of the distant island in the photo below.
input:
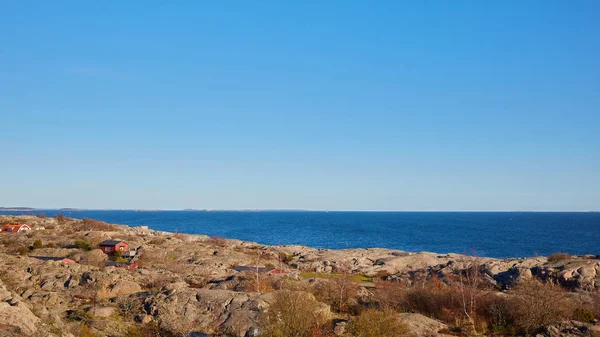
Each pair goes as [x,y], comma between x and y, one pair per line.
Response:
[17,209]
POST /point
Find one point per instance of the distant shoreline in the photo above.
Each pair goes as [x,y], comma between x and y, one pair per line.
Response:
[35,209]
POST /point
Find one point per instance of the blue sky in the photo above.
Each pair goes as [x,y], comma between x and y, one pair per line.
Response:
[436,105]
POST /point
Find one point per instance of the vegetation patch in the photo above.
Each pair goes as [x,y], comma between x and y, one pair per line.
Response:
[354,277]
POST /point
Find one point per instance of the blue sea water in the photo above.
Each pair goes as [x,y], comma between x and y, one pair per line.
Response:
[492,234]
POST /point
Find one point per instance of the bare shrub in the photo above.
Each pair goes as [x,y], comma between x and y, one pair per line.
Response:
[495,310]
[378,323]
[434,299]
[61,218]
[292,314]
[390,295]
[263,286]
[555,257]
[535,304]
[94,225]
[217,241]
[340,293]
[41,215]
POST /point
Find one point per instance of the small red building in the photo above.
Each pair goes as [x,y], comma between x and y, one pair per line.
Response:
[110,247]
[15,228]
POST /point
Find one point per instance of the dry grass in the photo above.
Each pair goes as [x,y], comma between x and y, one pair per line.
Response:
[378,323]
[292,314]
[352,277]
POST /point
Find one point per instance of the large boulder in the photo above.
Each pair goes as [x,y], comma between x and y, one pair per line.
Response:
[102,311]
[581,274]
[420,325]
[94,257]
[569,329]
[15,313]
[123,287]
[186,310]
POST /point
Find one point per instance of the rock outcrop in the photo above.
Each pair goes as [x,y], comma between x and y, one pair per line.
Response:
[15,314]
[192,284]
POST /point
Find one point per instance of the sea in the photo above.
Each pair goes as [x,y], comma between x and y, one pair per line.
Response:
[489,234]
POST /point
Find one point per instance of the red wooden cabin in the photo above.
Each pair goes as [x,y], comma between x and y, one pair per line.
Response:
[109,247]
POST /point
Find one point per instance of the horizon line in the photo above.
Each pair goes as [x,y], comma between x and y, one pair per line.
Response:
[32,209]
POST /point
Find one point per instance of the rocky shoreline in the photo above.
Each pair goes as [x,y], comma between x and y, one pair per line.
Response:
[195,285]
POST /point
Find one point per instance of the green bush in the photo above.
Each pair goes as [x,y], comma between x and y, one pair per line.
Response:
[50,245]
[37,244]
[83,244]
[23,250]
[118,257]
[583,315]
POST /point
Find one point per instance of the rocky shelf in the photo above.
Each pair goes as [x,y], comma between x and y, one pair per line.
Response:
[54,281]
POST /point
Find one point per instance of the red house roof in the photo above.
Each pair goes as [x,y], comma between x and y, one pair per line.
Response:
[15,228]
[110,242]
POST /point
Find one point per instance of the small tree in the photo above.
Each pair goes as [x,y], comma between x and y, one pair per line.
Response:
[469,281]
[258,255]
[339,290]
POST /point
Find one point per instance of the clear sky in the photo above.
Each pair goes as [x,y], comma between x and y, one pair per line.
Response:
[385,105]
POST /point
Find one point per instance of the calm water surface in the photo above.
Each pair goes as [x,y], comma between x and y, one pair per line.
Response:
[493,234]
